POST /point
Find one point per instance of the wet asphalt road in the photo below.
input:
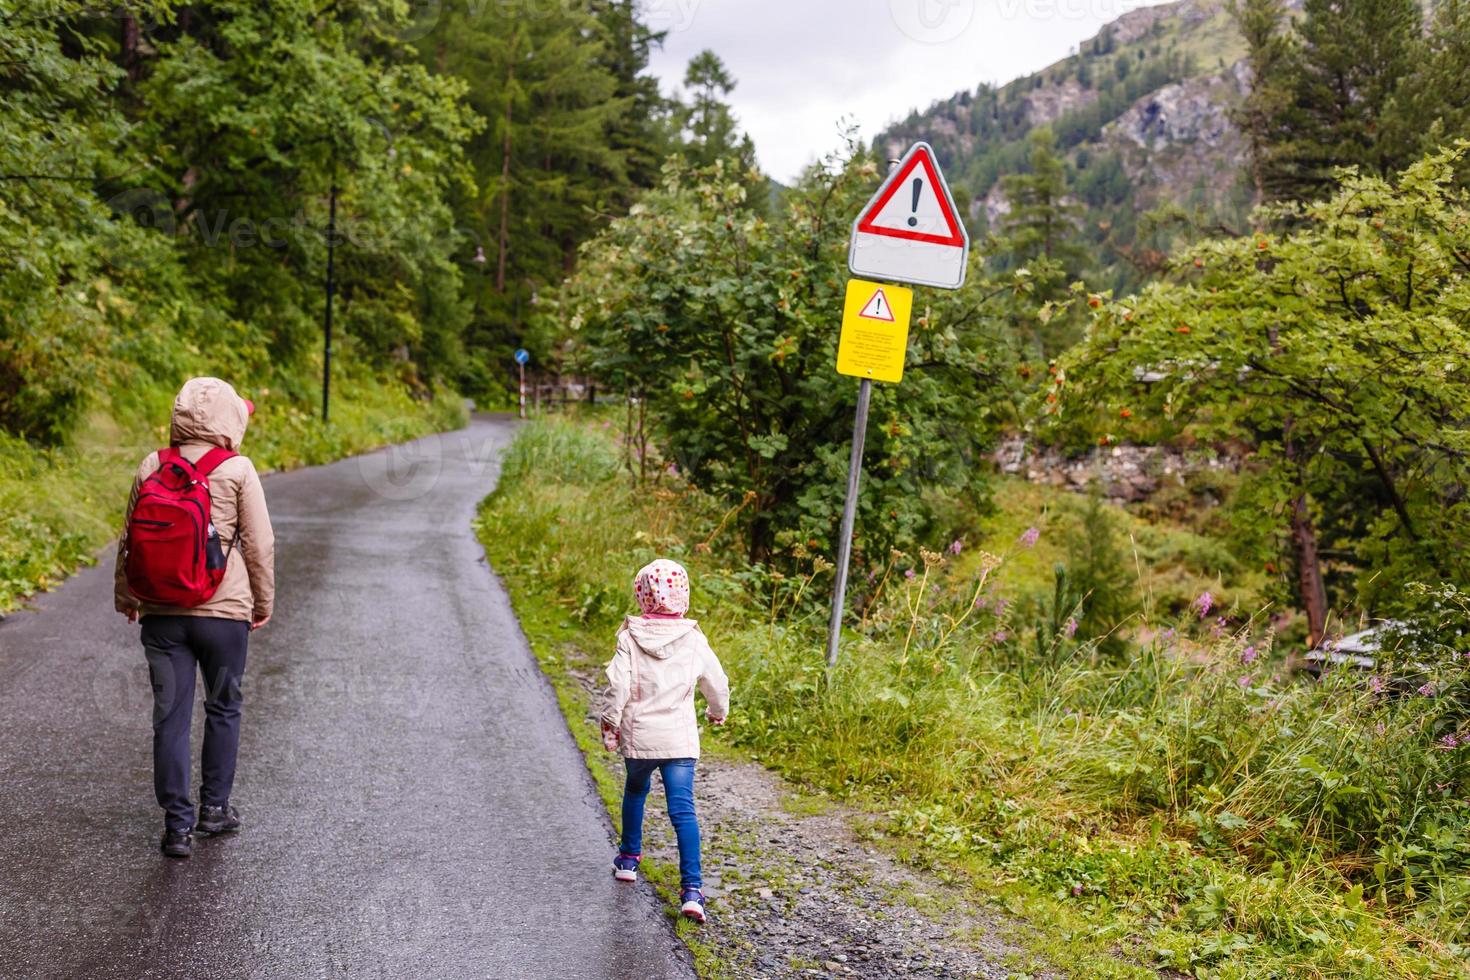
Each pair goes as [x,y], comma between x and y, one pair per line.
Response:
[413,803]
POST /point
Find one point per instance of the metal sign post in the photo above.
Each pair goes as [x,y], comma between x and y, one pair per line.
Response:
[875,332]
[849,516]
[522,356]
[909,232]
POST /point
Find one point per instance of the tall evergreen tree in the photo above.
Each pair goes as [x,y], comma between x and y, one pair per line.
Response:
[1040,234]
[1354,56]
[549,161]
[1042,223]
[711,132]
[644,132]
[1263,115]
[1434,108]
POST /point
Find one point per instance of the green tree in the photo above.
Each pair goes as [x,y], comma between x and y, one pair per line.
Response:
[1354,55]
[557,90]
[1263,115]
[644,132]
[60,135]
[1434,105]
[1039,235]
[1337,354]
[709,124]
[256,118]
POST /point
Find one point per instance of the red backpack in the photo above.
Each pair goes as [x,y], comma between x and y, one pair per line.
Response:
[173,554]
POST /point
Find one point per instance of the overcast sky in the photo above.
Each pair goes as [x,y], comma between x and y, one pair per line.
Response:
[801,65]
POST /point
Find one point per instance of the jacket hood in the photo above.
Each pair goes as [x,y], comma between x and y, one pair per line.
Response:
[656,637]
[208,410]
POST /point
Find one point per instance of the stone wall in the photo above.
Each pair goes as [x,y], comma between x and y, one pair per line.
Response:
[1125,473]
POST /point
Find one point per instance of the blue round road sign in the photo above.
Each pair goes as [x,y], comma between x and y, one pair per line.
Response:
[523,356]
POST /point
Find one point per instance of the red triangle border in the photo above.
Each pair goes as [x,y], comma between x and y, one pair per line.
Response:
[881,319]
[922,157]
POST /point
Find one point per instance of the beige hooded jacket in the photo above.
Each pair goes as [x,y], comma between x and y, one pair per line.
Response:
[651,681]
[208,413]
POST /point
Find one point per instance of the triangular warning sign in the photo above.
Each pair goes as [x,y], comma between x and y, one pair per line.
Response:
[878,308]
[914,204]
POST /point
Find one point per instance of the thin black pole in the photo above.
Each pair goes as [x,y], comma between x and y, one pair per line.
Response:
[331,291]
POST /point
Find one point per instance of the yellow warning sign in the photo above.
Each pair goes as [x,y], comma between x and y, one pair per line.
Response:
[875,330]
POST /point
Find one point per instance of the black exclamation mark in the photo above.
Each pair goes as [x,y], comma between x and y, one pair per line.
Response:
[918,189]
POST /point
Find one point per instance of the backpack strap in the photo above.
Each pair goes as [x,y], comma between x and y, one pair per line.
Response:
[212,459]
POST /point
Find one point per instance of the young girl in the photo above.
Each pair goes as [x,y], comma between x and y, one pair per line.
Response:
[648,712]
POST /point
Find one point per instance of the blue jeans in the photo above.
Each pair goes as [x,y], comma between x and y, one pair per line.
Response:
[679,788]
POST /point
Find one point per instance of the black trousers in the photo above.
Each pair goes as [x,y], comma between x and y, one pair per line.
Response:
[178,647]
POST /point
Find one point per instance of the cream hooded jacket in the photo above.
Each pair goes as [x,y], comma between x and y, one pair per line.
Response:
[650,687]
[208,413]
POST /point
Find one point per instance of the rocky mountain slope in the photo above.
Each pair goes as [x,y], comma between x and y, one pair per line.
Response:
[1141,112]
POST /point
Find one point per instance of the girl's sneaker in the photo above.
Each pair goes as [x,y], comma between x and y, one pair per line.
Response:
[693,907]
[625,867]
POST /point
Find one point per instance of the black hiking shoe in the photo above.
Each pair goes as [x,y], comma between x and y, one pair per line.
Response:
[177,843]
[217,820]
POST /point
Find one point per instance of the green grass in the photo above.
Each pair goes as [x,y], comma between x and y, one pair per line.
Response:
[1181,804]
[59,506]
[1167,564]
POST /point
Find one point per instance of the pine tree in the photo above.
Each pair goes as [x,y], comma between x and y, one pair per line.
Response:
[1042,222]
[1354,56]
[1040,235]
[1434,108]
[710,126]
[643,133]
[546,162]
[1263,114]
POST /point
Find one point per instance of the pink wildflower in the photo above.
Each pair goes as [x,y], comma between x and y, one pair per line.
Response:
[1069,629]
[1030,536]
[1000,636]
[1204,604]
[1248,655]
[1245,680]
[1376,684]
[956,546]
[1427,691]
[909,574]
[1449,742]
